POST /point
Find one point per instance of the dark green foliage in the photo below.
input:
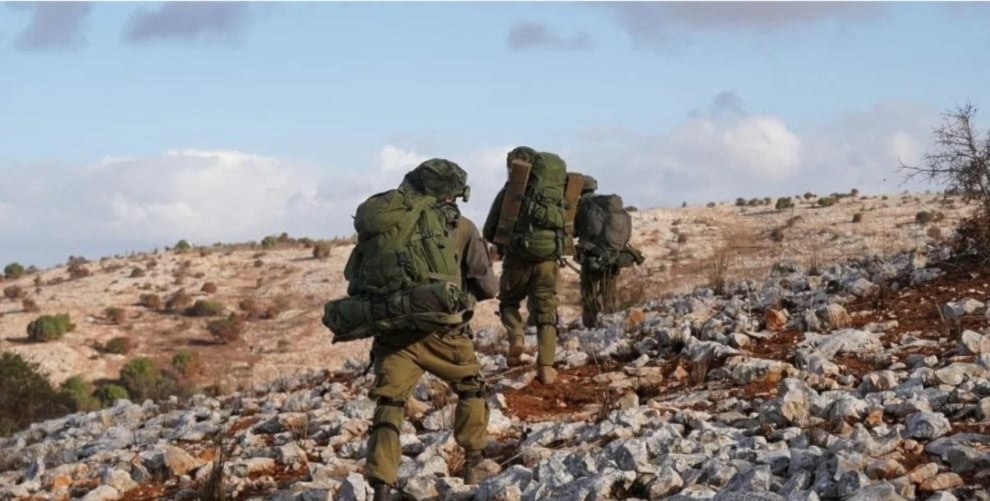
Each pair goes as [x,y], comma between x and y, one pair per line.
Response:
[141,377]
[827,201]
[205,308]
[784,203]
[13,271]
[80,392]
[269,242]
[27,396]
[49,327]
[182,246]
[226,330]
[109,393]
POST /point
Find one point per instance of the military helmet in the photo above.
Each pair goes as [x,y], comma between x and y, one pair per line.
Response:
[590,184]
[440,178]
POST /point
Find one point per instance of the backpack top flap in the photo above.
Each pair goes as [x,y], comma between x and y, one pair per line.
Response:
[548,177]
[384,211]
[617,231]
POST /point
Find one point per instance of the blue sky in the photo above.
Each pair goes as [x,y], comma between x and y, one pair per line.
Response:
[111,111]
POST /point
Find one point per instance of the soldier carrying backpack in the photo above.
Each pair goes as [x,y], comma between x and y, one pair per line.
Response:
[531,223]
[413,279]
[604,229]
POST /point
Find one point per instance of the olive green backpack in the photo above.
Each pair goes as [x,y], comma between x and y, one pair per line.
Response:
[539,233]
[404,272]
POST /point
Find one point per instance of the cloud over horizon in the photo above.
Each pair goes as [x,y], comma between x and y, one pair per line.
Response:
[187,21]
[52,25]
[205,196]
[527,35]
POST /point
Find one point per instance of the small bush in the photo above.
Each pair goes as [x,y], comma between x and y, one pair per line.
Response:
[682,238]
[205,308]
[710,205]
[13,271]
[29,306]
[137,272]
[119,346]
[827,201]
[182,246]
[109,393]
[809,195]
[683,205]
[209,288]
[269,242]
[141,378]
[187,363]
[179,301]
[49,327]
[321,250]
[925,217]
[784,203]
[77,270]
[14,292]
[151,301]
[777,235]
[226,330]
[854,193]
[857,217]
[115,314]
[740,202]
[258,263]
[80,392]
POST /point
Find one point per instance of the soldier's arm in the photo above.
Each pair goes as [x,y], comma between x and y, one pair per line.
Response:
[491,223]
[479,276]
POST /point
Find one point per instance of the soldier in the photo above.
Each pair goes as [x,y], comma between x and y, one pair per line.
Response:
[526,275]
[603,228]
[399,362]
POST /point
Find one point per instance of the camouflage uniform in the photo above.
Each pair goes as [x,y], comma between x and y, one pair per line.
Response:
[448,355]
[534,281]
[598,287]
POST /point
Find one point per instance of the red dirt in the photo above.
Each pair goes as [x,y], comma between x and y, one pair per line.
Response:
[573,392]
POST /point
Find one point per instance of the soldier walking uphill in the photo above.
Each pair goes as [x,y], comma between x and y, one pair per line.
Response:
[603,228]
[414,277]
[530,222]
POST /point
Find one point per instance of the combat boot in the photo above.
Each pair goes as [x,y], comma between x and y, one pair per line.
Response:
[474,471]
[546,374]
[516,346]
[383,491]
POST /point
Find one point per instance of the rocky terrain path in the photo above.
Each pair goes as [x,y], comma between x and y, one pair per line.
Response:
[862,380]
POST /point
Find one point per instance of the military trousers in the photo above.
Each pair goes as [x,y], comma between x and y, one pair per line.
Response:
[398,369]
[536,282]
[599,293]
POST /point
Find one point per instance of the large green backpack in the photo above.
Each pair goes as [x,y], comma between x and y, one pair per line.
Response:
[539,231]
[404,272]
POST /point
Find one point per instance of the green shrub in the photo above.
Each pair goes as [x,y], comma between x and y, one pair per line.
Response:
[205,308]
[269,242]
[226,330]
[827,201]
[141,377]
[80,392]
[119,345]
[186,363]
[784,203]
[115,314]
[109,393]
[49,327]
[925,217]
[740,202]
[182,246]
[13,271]
[137,272]
[858,217]
[27,396]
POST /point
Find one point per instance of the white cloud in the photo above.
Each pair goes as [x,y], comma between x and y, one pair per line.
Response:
[121,204]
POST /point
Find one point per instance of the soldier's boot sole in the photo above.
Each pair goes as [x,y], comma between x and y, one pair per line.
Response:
[546,374]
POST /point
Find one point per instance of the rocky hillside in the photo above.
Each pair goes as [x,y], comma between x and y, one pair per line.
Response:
[279,287]
[862,380]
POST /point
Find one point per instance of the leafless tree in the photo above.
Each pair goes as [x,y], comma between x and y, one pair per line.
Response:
[960,161]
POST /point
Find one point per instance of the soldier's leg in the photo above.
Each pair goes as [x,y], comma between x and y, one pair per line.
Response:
[589,314]
[512,291]
[396,374]
[543,298]
[611,293]
[452,358]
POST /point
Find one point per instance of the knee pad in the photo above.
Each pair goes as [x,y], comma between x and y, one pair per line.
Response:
[546,318]
[381,418]
[481,392]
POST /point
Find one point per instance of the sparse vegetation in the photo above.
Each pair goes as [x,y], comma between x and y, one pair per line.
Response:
[182,246]
[179,301]
[857,217]
[151,301]
[109,393]
[29,306]
[777,235]
[209,288]
[784,203]
[321,250]
[13,271]
[49,327]
[827,201]
[205,308]
[118,346]
[14,292]
[115,314]
[137,272]
[926,216]
[80,392]
[186,363]
[226,330]
[28,397]
[141,378]
[269,242]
